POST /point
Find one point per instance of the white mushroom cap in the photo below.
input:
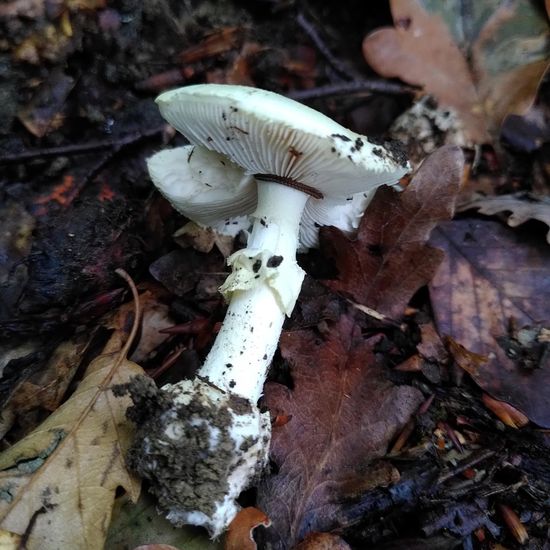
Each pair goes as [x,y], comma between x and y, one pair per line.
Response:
[203,185]
[268,134]
[212,191]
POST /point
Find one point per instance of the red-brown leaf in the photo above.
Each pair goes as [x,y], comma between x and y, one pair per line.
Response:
[239,535]
[390,260]
[494,278]
[344,415]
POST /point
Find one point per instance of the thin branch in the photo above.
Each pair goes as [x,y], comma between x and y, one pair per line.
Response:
[80,148]
[331,59]
[370,85]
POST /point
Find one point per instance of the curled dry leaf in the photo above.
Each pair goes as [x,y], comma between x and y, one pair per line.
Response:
[493,278]
[505,412]
[59,482]
[390,258]
[344,415]
[239,534]
[483,65]
[523,207]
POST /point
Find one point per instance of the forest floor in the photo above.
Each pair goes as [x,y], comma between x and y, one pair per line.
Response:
[409,394]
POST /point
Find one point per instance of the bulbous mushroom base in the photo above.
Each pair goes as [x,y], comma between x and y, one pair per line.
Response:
[199,447]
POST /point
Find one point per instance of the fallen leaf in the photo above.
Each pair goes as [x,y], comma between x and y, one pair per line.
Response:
[464,358]
[45,112]
[514,523]
[136,524]
[523,207]
[59,482]
[496,72]
[182,271]
[154,319]
[505,412]
[492,277]
[46,388]
[390,260]
[323,541]
[216,43]
[239,533]
[344,415]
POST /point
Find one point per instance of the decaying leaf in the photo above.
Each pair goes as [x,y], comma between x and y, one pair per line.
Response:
[523,207]
[155,318]
[494,279]
[46,388]
[483,65]
[58,483]
[239,534]
[390,260]
[45,112]
[323,541]
[344,414]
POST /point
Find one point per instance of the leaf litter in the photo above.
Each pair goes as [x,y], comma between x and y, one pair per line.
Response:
[59,482]
[344,414]
[390,258]
[483,63]
[492,284]
[466,468]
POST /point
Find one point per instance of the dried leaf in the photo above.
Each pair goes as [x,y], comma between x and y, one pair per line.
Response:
[9,541]
[323,541]
[239,534]
[390,260]
[490,278]
[216,43]
[420,50]
[154,319]
[514,523]
[464,358]
[47,387]
[523,207]
[505,43]
[505,412]
[344,415]
[44,113]
[59,482]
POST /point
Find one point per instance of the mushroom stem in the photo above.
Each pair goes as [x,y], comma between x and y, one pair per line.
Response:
[263,288]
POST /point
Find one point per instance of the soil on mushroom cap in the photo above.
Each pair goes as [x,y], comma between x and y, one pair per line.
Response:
[392,148]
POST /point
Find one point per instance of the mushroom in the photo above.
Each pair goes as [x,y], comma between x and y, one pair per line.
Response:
[277,159]
[214,192]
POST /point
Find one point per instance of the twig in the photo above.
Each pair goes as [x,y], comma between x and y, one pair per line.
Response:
[331,59]
[376,85]
[462,466]
[81,148]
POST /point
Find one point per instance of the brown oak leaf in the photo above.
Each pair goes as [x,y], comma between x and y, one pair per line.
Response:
[389,260]
[492,280]
[344,415]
